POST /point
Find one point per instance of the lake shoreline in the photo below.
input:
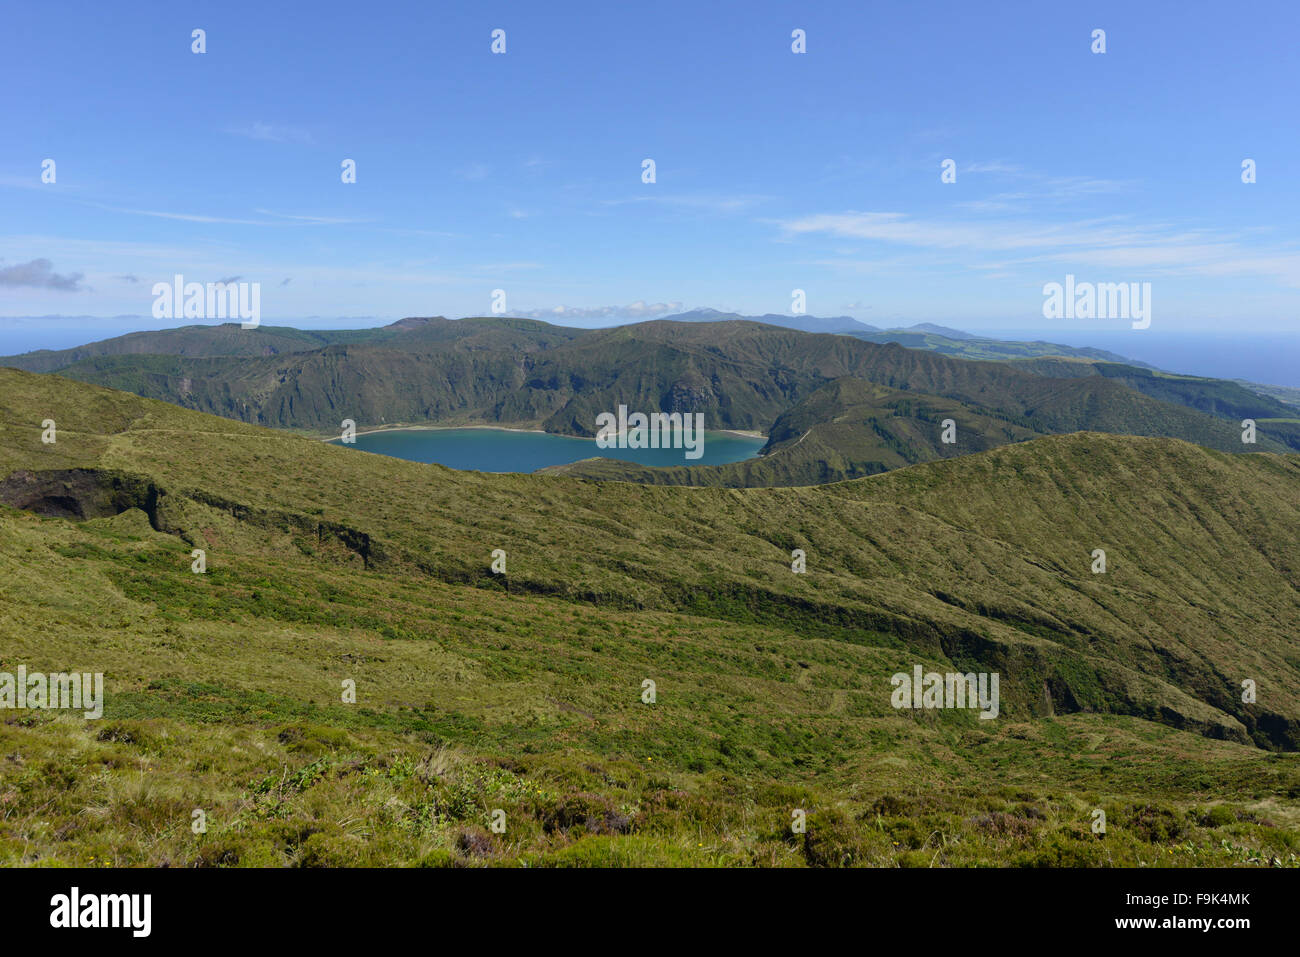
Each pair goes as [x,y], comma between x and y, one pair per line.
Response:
[443,428]
[502,448]
[507,428]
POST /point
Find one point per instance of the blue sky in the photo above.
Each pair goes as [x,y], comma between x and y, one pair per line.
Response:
[775,170]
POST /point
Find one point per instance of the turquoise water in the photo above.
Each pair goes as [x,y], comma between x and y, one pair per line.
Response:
[496,450]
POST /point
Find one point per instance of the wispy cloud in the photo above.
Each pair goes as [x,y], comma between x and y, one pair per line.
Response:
[701,202]
[312,220]
[902,229]
[183,217]
[271,133]
[1032,189]
[278,219]
[29,182]
[990,166]
[1109,243]
[506,267]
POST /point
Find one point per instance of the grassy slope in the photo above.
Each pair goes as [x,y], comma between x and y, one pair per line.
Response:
[1284,394]
[851,428]
[225,339]
[979,347]
[230,340]
[1219,397]
[1054,359]
[773,687]
[848,429]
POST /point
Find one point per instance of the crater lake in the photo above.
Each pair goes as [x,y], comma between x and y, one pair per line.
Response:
[508,450]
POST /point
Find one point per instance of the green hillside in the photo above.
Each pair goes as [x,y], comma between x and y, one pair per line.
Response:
[851,428]
[1284,394]
[740,375]
[966,346]
[226,339]
[1219,397]
[522,692]
[230,339]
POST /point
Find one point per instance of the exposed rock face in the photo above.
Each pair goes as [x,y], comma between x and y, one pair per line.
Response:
[80,493]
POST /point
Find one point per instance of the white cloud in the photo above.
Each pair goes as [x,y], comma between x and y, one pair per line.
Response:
[40,274]
[635,310]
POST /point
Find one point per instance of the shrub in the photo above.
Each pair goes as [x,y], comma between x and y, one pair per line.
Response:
[592,812]
[1217,816]
[475,842]
[1153,823]
[834,840]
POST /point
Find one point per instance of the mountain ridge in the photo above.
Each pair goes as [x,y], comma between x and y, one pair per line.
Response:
[740,374]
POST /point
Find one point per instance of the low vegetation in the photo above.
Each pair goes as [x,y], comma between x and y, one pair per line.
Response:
[522,693]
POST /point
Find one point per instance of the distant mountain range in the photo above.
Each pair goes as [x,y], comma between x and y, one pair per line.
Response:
[842,324]
[923,335]
[228,339]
